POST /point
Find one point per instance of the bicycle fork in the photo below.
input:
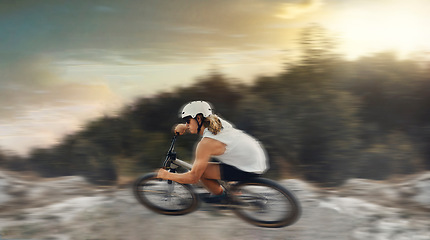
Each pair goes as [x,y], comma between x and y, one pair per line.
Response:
[170,186]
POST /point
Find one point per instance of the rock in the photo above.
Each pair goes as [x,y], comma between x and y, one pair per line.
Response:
[412,193]
[417,191]
[71,208]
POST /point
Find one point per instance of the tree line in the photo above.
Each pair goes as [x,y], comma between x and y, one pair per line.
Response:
[324,119]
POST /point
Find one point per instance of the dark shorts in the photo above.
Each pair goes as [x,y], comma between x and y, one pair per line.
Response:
[230,173]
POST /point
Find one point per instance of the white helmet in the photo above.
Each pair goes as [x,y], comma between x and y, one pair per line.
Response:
[191,109]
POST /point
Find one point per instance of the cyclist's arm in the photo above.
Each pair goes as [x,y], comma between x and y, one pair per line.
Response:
[205,149]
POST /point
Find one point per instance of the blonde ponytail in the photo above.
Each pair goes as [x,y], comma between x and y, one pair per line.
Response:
[213,124]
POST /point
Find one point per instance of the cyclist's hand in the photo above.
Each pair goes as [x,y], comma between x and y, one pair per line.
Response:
[161,173]
[180,129]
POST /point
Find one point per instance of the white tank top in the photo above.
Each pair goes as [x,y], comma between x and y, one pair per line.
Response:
[242,151]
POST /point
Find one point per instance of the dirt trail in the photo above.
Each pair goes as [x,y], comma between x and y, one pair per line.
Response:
[70,208]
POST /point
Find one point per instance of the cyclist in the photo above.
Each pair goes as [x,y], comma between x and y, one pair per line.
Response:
[240,155]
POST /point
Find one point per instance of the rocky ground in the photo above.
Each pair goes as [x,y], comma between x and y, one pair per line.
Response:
[70,208]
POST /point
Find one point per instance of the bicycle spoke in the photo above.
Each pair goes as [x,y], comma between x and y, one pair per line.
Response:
[264,203]
[163,197]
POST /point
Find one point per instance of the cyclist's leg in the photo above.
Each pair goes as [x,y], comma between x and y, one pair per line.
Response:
[210,177]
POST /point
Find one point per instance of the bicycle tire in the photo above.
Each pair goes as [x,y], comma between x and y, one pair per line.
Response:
[265,203]
[154,193]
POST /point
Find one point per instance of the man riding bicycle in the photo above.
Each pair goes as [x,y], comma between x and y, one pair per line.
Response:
[241,156]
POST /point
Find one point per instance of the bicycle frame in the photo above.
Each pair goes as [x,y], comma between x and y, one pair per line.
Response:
[172,162]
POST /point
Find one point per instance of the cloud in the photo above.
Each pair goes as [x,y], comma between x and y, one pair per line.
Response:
[36,83]
[25,72]
[154,30]
[37,106]
[294,10]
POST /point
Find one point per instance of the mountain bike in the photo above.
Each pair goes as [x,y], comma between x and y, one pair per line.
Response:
[259,201]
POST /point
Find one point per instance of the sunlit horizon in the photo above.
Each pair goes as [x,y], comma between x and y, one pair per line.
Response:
[399,28]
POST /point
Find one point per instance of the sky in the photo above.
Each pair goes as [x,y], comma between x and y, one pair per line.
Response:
[63,63]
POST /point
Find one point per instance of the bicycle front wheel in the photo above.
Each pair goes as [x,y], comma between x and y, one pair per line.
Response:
[165,197]
[265,203]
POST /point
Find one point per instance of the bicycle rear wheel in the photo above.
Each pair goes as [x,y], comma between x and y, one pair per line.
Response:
[165,197]
[265,203]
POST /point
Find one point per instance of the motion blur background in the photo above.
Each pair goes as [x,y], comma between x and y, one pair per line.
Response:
[333,89]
